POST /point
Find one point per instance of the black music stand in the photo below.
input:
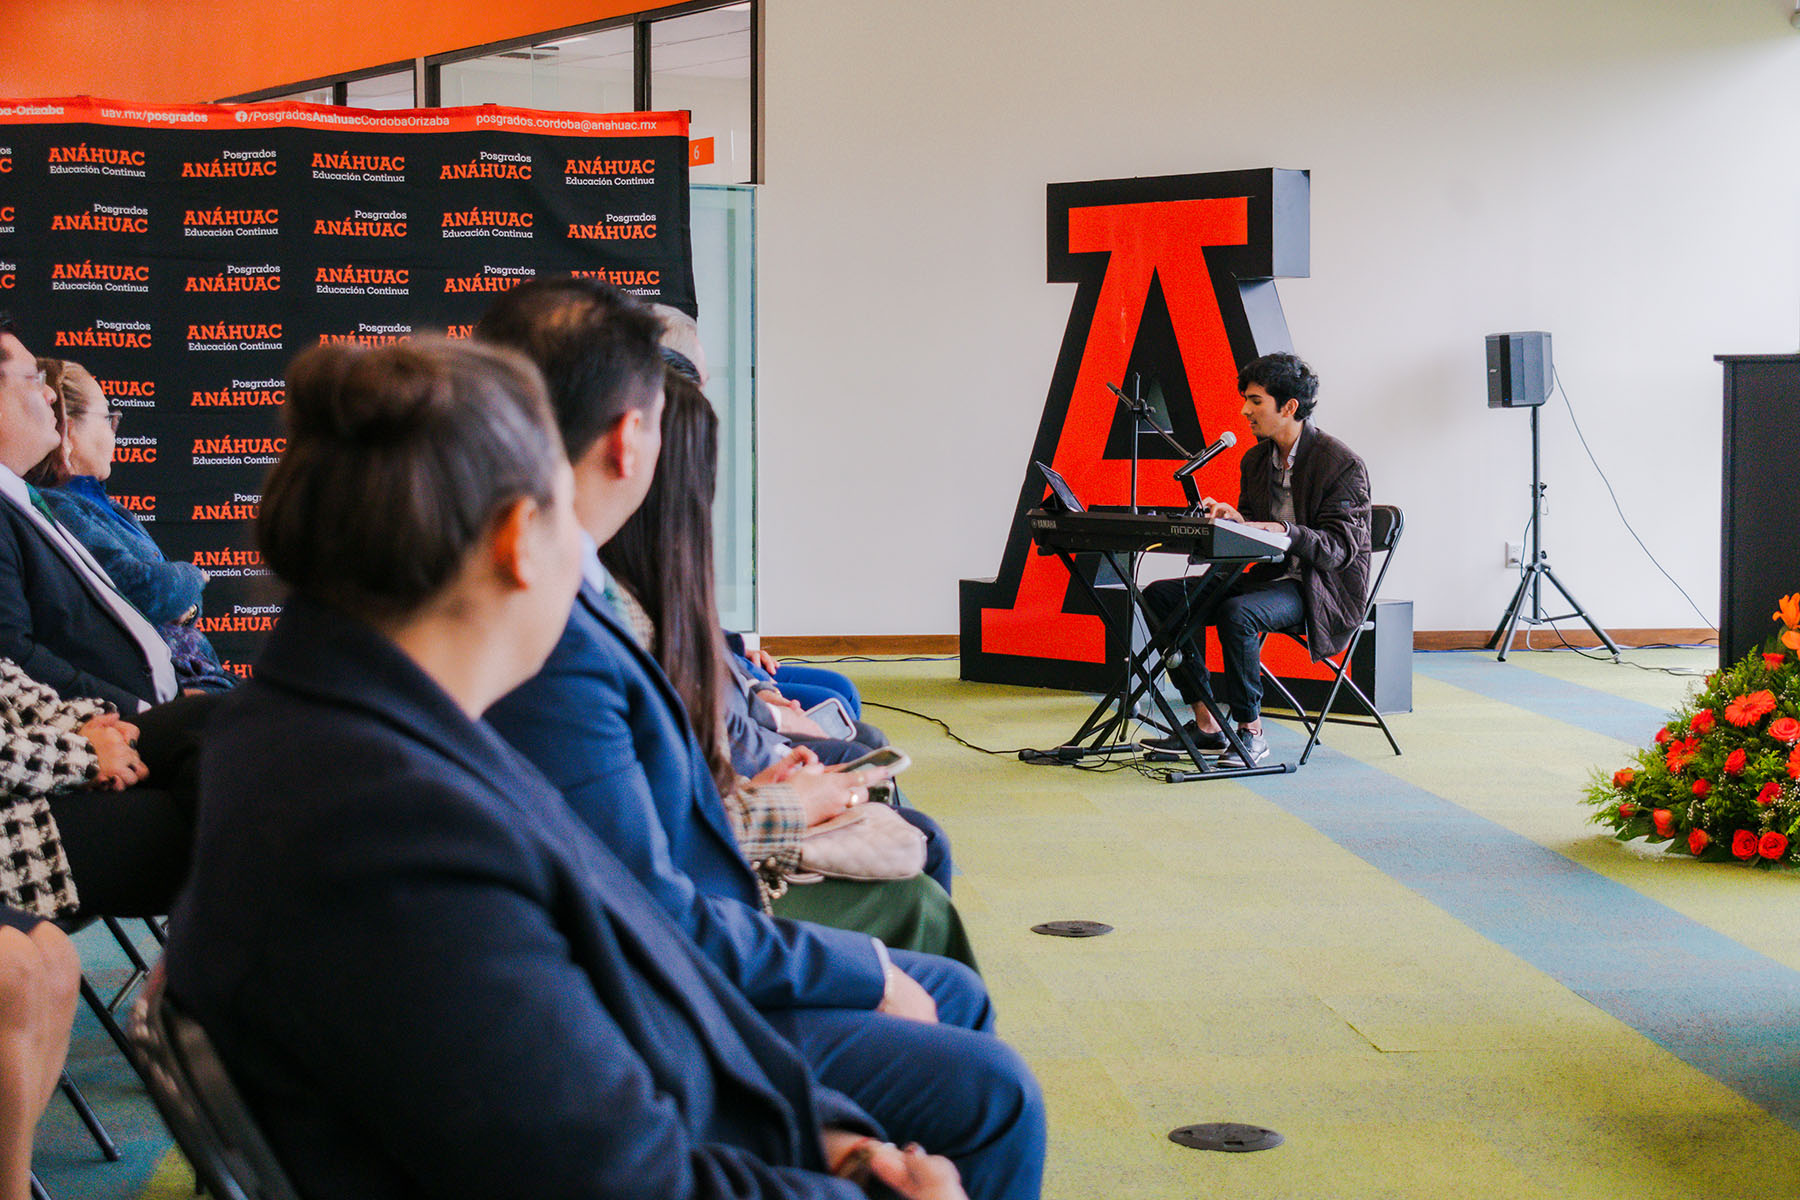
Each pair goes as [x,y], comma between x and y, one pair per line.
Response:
[1097,737]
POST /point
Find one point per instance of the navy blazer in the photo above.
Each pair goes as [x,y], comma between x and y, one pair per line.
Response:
[429,980]
[54,627]
[604,724]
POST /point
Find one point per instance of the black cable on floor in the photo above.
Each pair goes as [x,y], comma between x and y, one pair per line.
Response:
[945,726]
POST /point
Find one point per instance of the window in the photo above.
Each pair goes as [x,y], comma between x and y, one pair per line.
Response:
[701,62]
[590,72]
[392,90]
[699,56]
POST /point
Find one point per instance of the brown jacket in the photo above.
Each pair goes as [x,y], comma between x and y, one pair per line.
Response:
[1330,531]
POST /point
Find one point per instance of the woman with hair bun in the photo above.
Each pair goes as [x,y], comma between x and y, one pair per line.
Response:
[424,974]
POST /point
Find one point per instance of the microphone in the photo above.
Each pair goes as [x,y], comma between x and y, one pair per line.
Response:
[1226,441]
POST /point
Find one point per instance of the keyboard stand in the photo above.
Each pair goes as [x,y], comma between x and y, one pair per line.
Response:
[1100,735]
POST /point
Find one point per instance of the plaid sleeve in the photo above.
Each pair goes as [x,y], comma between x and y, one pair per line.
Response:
[768,823]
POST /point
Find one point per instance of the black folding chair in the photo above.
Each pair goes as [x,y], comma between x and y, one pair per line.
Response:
[203,1111]
[105,1011]
[1385,525]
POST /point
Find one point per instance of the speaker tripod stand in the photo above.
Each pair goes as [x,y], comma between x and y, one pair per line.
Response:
[1537,571]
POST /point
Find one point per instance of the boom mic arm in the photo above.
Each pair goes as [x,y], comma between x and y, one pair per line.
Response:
[1226,441]
[1140,409]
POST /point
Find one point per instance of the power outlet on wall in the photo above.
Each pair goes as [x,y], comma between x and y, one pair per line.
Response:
[1515,554]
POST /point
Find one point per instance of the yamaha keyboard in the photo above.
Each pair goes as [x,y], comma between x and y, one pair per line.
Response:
[1200,538]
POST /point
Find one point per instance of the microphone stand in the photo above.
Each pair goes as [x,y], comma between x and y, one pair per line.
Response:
[1139,408]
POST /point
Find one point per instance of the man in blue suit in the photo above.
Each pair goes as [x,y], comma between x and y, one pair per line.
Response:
[907,1036]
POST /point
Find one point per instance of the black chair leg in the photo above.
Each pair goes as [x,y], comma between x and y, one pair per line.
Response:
[1288,696]
[1318,726]
[37,1189]
[107,1022]
[85,1111]
[157,930]
[127,945]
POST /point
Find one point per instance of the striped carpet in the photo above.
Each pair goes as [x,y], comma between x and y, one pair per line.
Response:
[1426,971]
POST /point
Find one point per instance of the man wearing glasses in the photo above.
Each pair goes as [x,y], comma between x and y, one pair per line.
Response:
[61,618]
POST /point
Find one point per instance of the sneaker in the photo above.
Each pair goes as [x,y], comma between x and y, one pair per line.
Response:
[1207,743]
[1256,748]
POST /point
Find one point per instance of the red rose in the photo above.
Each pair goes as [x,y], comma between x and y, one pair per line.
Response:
[1628,809]
[1697,841]
[1734,762]
[1701,787]
[1772,845]
[1770,790]
[1664,820]
[1750,708]
[1785,729]
[1680,754]
[1773,661]
[1663,736]
[1794,764]
[1743,844]
[1622,777]
[1703,722]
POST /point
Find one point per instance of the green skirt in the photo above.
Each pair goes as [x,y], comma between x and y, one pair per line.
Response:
[909,914]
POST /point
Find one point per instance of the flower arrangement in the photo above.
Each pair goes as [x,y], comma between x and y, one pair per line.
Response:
[1722,779]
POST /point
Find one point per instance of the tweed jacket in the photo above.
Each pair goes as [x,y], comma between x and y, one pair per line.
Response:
[40,753]
[1330,534]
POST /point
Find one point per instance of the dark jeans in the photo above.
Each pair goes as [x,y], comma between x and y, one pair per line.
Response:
[1248,611]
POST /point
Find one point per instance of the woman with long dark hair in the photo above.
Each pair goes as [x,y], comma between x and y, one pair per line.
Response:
[663,558]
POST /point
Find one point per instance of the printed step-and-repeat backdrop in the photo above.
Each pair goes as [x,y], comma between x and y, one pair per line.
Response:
[184,254]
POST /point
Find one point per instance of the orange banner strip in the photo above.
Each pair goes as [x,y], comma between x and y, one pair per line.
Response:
[276,114]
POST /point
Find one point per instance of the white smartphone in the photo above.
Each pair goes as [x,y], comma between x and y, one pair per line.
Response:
[831,716]
[887,756]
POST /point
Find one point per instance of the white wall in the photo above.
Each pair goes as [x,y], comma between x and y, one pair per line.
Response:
[1622,174]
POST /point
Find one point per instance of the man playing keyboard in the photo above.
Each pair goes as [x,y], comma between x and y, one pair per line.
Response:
[1310,486]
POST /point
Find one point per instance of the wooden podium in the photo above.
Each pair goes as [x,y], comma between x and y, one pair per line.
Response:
[1758,546]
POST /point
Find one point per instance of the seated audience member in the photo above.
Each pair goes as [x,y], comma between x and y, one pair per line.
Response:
[40,977]
[424,975]
[680,338]
[801,682]
[662,561]
[73,482]
[756,745]
[61,619]
[79,834]
[603,723]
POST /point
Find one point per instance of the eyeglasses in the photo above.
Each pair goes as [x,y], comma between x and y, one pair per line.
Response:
[37,377]
[111,418]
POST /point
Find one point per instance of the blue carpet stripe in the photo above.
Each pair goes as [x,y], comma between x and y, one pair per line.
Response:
[1715,1004]
[1571,703]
